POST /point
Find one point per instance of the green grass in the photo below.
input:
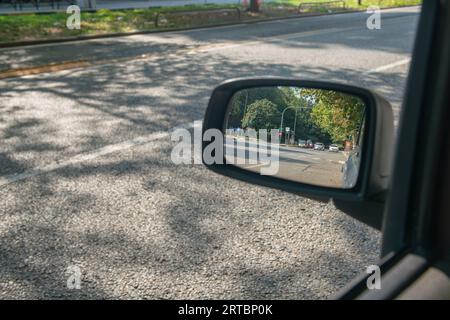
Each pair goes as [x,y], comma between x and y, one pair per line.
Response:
[43,26]
[19,27]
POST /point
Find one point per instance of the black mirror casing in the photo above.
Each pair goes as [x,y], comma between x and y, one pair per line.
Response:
[365,200]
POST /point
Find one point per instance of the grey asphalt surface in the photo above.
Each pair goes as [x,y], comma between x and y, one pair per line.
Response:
[109,201]
[316,167]
[321,168]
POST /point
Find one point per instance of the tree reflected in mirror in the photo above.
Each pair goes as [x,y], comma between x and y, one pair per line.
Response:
[308,135]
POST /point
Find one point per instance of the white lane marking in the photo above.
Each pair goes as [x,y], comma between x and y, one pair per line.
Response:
[257,165]
[138,141]
[389,66]
[287,36]
[262,40]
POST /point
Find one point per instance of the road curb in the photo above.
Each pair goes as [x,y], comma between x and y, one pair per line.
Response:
[15,44]
[52,67]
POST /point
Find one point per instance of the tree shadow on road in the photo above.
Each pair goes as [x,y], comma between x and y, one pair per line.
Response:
[172,229]
[179,227]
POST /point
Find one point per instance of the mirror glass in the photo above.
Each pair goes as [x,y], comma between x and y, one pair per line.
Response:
[305,135]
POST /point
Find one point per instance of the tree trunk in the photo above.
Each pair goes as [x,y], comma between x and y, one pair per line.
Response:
[254,5]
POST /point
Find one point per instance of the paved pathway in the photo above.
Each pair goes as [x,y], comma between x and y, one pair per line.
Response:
[111,4]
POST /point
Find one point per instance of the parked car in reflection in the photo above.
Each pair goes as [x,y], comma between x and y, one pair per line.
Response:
[333,148]
[302,143]
[350,168]
[319,146]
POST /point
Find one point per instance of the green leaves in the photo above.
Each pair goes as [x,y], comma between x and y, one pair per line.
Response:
[337,113]
[261,114]
[319,115]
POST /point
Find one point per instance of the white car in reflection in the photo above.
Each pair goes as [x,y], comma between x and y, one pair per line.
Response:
[319,146]
[333,148]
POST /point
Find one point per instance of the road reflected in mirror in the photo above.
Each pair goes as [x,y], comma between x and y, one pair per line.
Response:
[305,135]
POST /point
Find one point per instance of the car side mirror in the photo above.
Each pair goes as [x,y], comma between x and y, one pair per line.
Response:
[317,139]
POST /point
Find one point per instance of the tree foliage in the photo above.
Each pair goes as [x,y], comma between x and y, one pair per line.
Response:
[261,114]
[319,115]
[337,113]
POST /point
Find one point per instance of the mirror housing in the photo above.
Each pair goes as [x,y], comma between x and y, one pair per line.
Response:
[365,199]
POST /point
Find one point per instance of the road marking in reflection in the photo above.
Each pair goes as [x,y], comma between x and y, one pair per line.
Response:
[79,158]
[257,165]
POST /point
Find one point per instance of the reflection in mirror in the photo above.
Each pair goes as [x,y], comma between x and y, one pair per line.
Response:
[306,135]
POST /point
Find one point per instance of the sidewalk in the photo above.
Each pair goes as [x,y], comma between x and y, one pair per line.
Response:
[110,4]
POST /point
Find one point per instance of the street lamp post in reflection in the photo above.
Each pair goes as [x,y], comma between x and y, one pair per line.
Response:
[295,119]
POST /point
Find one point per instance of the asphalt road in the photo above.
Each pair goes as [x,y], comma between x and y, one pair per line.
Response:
[322,168]
[87,182]
[317,167]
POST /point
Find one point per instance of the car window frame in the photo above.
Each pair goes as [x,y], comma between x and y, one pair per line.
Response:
[412,224]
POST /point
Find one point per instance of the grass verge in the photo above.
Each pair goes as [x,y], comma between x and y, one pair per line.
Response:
[27,27]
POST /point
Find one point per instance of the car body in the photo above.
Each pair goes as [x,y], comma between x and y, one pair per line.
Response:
[302,143]
[333,148]
[319,146]
[350,169]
